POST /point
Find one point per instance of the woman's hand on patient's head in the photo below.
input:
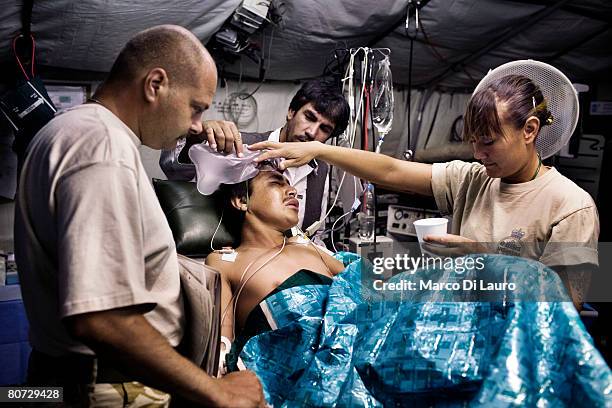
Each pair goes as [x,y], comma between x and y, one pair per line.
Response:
[295,153]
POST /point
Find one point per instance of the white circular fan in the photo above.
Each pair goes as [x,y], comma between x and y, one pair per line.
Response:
[559,92]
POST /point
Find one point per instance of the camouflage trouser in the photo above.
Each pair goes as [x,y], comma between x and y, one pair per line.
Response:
[129,394]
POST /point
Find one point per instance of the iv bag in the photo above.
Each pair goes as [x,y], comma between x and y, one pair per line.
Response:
[382,107]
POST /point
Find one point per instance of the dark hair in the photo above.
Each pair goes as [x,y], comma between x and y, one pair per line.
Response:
[240,190]
[326,96]
[244,189]
[228,191]
[172,48]
[520,95]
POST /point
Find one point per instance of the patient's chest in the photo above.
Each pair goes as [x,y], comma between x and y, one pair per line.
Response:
[262,278]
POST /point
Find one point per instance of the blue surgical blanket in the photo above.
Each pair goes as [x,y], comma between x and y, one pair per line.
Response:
[344,345]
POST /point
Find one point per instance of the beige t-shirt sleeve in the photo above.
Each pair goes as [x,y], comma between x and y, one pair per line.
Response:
[446,181]
[574,239]
[100,248]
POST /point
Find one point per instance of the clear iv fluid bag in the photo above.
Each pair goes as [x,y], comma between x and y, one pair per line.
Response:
[383,102]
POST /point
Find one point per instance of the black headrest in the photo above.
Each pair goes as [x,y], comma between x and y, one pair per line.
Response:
[194,217]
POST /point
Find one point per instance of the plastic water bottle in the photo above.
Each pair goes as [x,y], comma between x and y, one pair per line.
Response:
[366,215]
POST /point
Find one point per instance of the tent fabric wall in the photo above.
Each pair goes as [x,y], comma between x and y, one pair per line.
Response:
[574,36]
[426,125]
[440,112]
[87,35]
[10,15]
[309,33]
[460,28]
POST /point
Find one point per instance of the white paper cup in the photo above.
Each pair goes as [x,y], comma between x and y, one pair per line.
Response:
[430,226]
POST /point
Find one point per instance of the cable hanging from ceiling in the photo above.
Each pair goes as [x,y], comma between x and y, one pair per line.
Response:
[411,33]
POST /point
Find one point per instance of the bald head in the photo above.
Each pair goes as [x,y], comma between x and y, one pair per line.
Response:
[160,85]
[173,48]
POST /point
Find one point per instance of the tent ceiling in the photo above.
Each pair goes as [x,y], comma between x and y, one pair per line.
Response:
[464,38]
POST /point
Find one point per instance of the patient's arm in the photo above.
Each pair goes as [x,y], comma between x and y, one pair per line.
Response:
[227,308]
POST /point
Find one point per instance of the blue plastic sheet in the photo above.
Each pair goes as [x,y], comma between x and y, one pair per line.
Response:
[342,345]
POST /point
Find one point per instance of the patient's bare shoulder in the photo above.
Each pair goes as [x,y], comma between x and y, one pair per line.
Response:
[215,260]
[334,265]
[228,263]
[308,255]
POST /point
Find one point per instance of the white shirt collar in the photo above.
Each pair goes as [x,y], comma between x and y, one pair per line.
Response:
[275,135]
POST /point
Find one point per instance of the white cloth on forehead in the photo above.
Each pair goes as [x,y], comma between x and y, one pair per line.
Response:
[214,168]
